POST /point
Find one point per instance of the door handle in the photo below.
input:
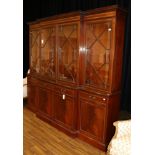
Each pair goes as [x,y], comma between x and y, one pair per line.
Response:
[63,96]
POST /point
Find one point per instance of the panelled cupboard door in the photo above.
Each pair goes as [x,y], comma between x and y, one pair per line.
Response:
[47,53]
[45,101]
[34,51]
[92,119]
[64,110]
[68,52]
[99,46]
[32,97]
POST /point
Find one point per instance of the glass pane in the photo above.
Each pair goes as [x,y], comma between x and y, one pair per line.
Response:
[98,41]
[47,64]
[67,52]
[34,47]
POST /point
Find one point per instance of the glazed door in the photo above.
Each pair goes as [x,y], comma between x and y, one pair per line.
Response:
[99,46]
[92,119]
[34,51]
[45,102]
[68,52]
[47,53]
[64,110]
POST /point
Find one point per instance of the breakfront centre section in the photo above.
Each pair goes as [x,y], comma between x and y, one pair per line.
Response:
[75,72]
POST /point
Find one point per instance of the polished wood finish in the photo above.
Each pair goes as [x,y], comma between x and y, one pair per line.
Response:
[41,138]
[92,114]
[99,45]
[75,72]
[34,51]
[65,108]
[48,53]
[45,102]
[67,52]
[32,97]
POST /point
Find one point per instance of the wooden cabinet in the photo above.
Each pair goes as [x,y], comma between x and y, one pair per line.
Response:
[32,91]
[75,72]
[35,51]
[45,102]
[65,108]
[92,116]
[68,52]
[48,53]
[99,35]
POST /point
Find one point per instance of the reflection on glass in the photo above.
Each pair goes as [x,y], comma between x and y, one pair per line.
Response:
[98,53]
[34,47]
[67,52]
[47,67]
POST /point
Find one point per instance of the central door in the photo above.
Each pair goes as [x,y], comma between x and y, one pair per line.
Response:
[67,52]
[64,109]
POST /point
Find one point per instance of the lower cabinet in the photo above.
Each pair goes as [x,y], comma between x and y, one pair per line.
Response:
[92,112]
[32,91]
[45,102]
[74,112]
[65,108]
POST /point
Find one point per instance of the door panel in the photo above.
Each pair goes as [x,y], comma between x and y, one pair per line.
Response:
[45,102]
[32,97]
[98,38]
[67,52]
[48,45]
[92,119]
[64,110]
[34,51]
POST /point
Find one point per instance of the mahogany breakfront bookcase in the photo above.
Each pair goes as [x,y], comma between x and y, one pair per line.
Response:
[75,72]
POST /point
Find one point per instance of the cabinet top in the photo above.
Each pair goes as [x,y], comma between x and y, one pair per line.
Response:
[78,14]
